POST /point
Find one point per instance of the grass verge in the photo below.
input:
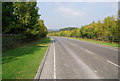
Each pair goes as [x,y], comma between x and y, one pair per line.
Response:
[23,62]
[99,42]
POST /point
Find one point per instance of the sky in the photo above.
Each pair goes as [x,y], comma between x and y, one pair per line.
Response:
[58,15]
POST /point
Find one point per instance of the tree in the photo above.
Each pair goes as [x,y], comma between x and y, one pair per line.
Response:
[76,32]
[106,31]
[42,30]
[68,28]
[7,17]
[26,16]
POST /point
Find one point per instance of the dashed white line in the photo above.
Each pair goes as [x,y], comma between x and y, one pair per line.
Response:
[101,45]
[73,44]
[87,69]
[95,71]
[54,63]
[90,52]
[113,63]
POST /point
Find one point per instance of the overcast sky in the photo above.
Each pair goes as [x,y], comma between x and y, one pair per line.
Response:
[74,14]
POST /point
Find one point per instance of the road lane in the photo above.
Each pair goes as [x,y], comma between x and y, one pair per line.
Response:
[107,52]
[72,59]
[75,68]
[97,62]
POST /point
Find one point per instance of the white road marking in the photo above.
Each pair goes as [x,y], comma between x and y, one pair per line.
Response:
[100,45]
[54,63]
[89,52]
[95,71]
[90,73]
[73,44]
[113,63]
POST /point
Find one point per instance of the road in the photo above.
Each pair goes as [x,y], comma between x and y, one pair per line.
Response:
[75,59]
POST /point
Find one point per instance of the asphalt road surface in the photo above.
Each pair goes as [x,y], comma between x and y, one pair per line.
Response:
[75,59]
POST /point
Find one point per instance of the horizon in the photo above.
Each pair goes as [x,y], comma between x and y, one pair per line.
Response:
[58,15]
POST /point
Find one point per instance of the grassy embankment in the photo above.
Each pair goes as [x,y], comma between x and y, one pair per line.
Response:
[99,42]
[23,62]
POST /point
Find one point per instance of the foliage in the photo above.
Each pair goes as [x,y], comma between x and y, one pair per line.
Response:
[22,18]
[7,16]
[42,28]
[68,28]
[107,30]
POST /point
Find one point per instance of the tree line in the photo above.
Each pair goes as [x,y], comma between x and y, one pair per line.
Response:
[68,28]
[106,30]
[22,18]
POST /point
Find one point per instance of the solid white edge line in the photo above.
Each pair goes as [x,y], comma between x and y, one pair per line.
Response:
[54,63]
[89,52]
[113,63]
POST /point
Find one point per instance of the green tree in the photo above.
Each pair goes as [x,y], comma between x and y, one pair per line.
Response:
[26,16]
[7,17]
[42,30]
[106,31]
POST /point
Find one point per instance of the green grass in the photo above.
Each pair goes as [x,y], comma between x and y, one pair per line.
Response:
[23,62]
[99,42]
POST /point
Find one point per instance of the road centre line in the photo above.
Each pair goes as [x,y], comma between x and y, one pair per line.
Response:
[89,52]
[113,63]
[96,44]
[73,44]
[70,43]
